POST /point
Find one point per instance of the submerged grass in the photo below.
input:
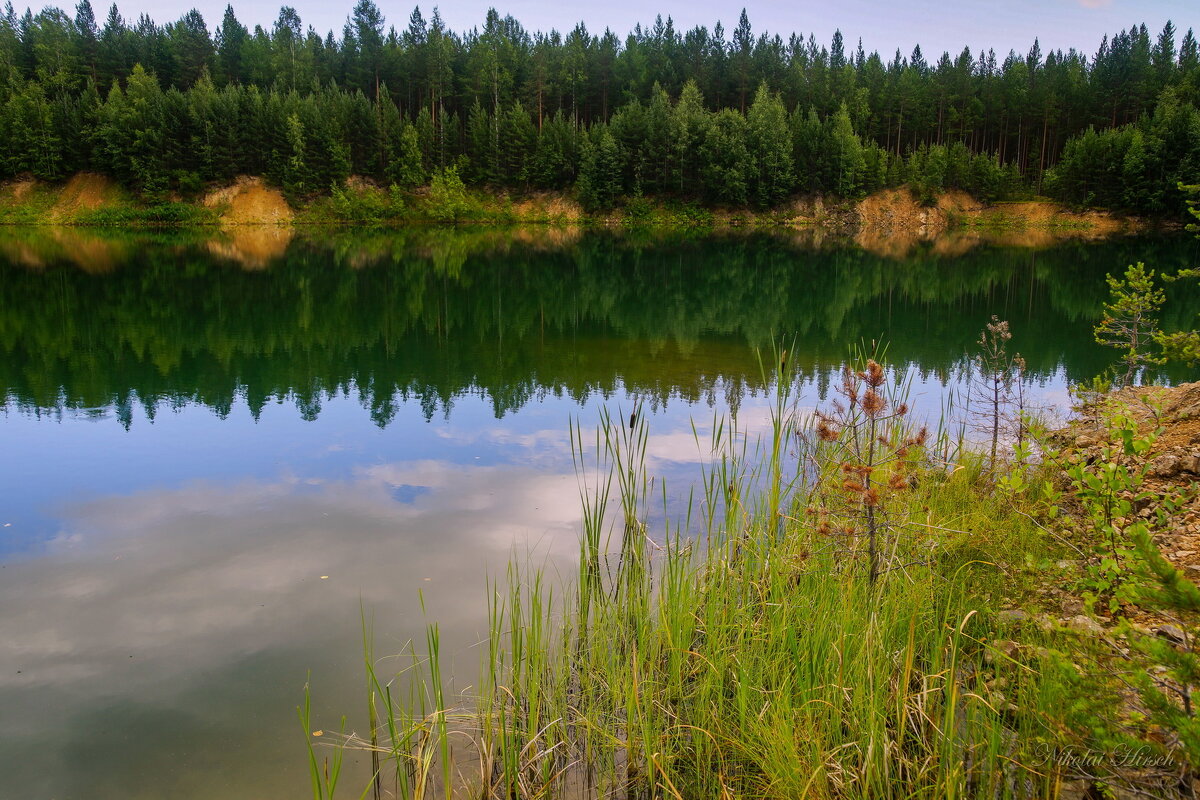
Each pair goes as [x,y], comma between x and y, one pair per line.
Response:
[743,650]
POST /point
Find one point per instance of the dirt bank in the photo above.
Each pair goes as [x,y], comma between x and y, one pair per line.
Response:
[250,201]
[86,191]
[890,222]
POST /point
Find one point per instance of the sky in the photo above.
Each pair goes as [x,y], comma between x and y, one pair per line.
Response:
[936,25]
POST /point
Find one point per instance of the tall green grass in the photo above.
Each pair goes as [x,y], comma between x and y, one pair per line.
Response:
[738,649]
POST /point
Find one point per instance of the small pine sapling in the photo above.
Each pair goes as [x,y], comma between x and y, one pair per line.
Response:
[867,439]
[1129,323]
[997,388]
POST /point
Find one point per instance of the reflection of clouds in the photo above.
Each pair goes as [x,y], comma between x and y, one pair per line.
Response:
[509,504]
[671,439]
[683,445]
[169,566]
[547,438]
[147,595]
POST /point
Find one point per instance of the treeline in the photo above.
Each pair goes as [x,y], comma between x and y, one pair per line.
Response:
[748,119]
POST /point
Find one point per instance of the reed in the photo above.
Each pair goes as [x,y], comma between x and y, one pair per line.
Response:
[741,648]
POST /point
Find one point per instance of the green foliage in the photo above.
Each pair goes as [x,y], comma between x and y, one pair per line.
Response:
[1107,489]
[366,205]
[403,160]
[1138,167]
[847,164]
[448,199]
[727,165]
[131,134]
[157,213]
[1158,585]
[599,171]
[770,149]
[1118,520]
[555,157]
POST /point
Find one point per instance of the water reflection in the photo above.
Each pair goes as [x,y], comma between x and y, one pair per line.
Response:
[428,317]
[162,638]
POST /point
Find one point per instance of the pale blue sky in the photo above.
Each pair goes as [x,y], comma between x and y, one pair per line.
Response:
[936,25]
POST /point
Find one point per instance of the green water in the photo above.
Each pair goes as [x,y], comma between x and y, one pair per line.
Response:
[215,448]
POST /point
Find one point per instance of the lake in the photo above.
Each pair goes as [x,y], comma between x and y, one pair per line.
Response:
[220,454]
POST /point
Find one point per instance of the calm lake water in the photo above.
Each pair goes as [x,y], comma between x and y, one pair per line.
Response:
[217,451]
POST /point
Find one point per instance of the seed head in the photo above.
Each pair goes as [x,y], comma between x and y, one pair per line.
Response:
[874,374]
[873,403]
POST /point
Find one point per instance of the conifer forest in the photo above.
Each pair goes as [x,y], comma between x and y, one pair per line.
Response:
[742,117]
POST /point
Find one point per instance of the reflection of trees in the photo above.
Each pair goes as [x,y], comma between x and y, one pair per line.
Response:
[427,315]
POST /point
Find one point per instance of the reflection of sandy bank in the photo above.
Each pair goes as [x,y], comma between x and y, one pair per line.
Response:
[252,246]
[22,254]
[446,248]
[899,244]
[88,251]
[547,237]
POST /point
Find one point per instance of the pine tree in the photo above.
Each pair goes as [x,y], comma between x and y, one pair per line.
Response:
[191,47]
[690,125]
[517,142]
[726,164]
[231,39]
[88,42]
[368,31]
[770,149]
[556,154]
[1129,323]
[113,56]
[844,155]
[481,147]
[599,182]
[296,179]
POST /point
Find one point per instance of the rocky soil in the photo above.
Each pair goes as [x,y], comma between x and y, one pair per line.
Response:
[1173,463]
[1173,467]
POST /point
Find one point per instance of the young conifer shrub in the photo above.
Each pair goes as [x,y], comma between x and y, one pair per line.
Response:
[1129,323]
[867,438]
